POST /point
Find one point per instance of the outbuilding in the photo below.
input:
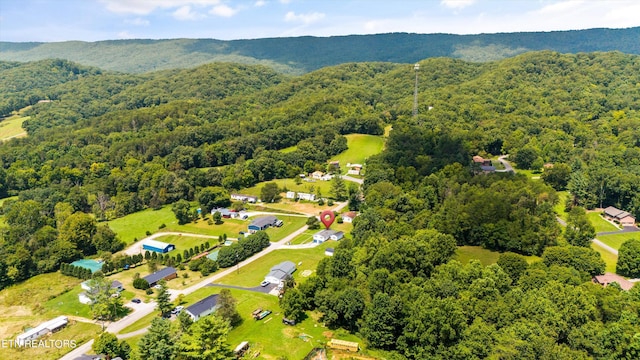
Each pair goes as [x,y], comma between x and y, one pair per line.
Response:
[349,216]
[262,223]
[157,246]
[42,329]
[325,235]
[167,274]
[281,272]
[203,307]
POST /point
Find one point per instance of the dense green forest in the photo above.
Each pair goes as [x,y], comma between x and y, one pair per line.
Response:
[297,55]
[109,144]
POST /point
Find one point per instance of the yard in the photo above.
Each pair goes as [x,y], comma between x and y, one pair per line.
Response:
[609,259]
[361,147]
[305,259]
[599,223]
[615,240]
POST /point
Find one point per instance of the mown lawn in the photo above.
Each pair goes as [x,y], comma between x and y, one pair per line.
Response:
[310,186]
[137,224]
[609,259]
[559,207]
[361,147]
[616,240]
[599,223]
[252,274]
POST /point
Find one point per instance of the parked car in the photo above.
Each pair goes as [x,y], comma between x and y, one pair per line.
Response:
[158,286]
[288,321]
[136,300]
[264,283]
[279,223]
[177,310]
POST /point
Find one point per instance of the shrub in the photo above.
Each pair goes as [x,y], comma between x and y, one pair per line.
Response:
[140,283]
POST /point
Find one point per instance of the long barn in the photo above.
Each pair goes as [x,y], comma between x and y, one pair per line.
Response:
[157,246]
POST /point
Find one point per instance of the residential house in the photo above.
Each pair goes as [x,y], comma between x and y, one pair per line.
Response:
[325,235]
[317,175]
[203,307]
[262,223]
[244,198]
[224,212]
[620,216]
[485,165]
[349,216]
[609,278]
[167,274]
[281,272]
[354,169]
[300,195]
[338,235]
[45,328]
[157,246]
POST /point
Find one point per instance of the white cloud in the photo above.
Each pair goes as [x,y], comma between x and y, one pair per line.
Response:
[303,18]
[223,10]
[137,22]
[457,4]
[260,3]
[125,35]
[285,1]
[144,7]
[184,13]
[560,7]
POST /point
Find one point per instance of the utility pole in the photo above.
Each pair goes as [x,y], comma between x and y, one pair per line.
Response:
[416,67]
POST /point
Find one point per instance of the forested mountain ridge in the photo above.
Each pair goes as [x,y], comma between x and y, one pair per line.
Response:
[297,55]
[111,144]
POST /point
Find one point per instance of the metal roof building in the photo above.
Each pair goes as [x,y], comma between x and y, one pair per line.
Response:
[203,307]
[157,246]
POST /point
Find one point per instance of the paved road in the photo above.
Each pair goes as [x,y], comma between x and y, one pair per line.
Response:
[143,309]
[355,180]
[605,246]
[506,164]
[626,229]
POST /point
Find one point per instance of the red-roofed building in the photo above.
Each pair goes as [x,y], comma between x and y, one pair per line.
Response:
[609,278]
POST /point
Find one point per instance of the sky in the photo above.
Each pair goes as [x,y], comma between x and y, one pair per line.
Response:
[95,20]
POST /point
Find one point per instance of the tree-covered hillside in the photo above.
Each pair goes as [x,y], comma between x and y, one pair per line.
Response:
[303,54]
[109,144]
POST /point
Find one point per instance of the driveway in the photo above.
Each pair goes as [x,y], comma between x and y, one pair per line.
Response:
[626,229]
[261,289]
[506,164]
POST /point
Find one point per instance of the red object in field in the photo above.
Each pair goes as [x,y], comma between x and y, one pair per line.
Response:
[327,218]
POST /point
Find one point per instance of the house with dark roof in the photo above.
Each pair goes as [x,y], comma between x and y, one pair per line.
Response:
[281,272]
[262,223]
[203,307]
[167,274]
[624,218]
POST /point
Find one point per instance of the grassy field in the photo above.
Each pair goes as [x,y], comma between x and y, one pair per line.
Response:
[600,223]
[361,147]
[289,184]
[11,127]
[77,331]
[252,274]
[616,240]
[609,259]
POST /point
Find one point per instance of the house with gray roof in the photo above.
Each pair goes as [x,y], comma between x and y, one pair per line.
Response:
[281,272]
[167,273]
[203,307]
[262,223]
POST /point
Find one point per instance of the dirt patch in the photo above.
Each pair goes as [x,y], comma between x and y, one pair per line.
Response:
[328,334]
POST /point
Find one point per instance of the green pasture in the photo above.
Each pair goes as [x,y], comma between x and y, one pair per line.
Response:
[486,256]
[11,127]
[137,224]
[252,274]
[361,147]
[291,224]
[185,242]
[609,259]
[599,223]
[290,185]
[615,240]
[68,304]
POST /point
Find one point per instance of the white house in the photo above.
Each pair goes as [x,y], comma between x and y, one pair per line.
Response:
[203,307]
[349,216]
[354,169]
[317,175]
[281,272]
[42,329]
[338,235]
[244,198]
[326,177]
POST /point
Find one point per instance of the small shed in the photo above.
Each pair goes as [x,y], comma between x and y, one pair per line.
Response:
[338,235]
[157,246]
[167,274]
[329,251]
[241,349]
[203,307]
[281,272]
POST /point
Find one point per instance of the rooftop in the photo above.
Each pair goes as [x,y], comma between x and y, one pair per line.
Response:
[160,274]
[609,278]
[203,305]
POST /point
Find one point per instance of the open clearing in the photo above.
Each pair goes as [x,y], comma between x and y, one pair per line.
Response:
[609,259]
[599,223]
[361,147]
[11,127]
[615,240]
[485,256]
